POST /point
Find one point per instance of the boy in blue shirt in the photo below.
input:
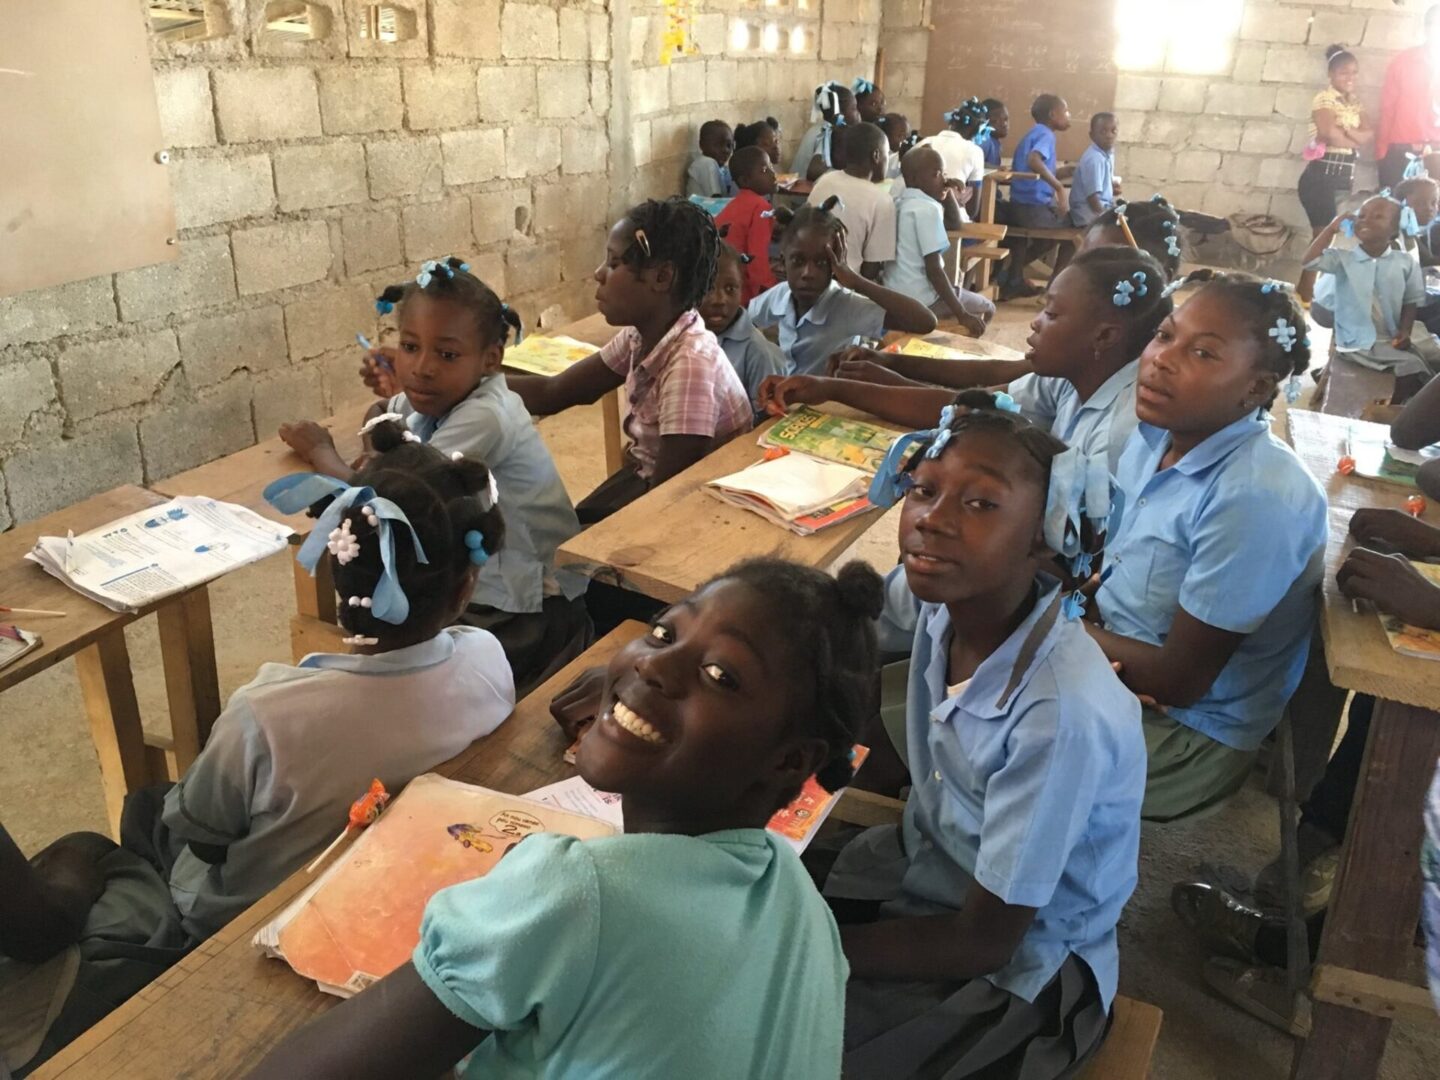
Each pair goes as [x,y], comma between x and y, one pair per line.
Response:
[1092,191]
[998,117]
[707,175]
[1042,203]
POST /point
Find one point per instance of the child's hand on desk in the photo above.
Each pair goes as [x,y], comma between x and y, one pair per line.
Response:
[865,365]
[779,392]
[378,372]
[1396,529]
[577,704]
[1400,341]
[306,437]
[1392,585]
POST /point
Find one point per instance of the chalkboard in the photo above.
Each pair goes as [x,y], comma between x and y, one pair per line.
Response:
[1017,51]
[82,192]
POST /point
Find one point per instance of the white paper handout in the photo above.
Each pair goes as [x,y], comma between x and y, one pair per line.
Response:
[144,557]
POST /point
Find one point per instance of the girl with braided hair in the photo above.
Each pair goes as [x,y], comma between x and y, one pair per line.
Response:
[833,108]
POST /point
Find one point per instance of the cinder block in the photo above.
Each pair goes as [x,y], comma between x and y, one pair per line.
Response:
[505,93]
[640,142]
[574,34]
[1240,170]
[340,383]
[212,350]
[899,13]
[1162,129]
[498,216]
[1148,162]
[1224,201]
[709,32]
[531,151]
[329,320]
[1196,165]
[412,22]
[266,103]
[1263,22]
[360,100]
[42,314]
[532,267]
[599,36]
[1234,100]
[581,255]
[5,519]
[212,189]
[649,90]
[96,458]
[599,90]
[187,113]
[1293,64]
[687,83]
[328,174]
[720,81]
[840,43]
[438,229]
[567,207]
[490,268]
[909,47]
[99,376]
[293,393]
[1265,137]
[564,92]
[644,40]
[473,156]
[1293,102]
[326,37]
[29,390]
[529,31]
[1181,96]
[584,150]
[1217,133]
[1392,33]
[401,167]
[442,97]
[1247,61]
[1139,92]
[1280,172]
[217,422]
[279,256]
[672,137]
[203,275]
[1286,206]
[468,28]
[1329,27]
[371,240]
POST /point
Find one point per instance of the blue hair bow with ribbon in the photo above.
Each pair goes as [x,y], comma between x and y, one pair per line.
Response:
[862,85]
[295,493]
[1082,492]
[1414,167]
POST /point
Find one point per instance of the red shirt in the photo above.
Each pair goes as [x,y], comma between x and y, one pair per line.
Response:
[1407,103]
[749,233]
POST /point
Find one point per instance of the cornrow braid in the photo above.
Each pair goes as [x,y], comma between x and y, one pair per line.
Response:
[1153,223]
[1105,268]
[967,117]
[450,279]
[978,410]
[727,254]
[445,498]
[814,217]
[676,231]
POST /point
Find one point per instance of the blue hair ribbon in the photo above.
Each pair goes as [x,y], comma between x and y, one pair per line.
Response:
[1415,167]
[862,85]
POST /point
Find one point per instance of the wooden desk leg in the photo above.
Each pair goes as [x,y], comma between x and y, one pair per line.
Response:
[192,686]
[114,714]
[1371,924]
[988,189]
[614,453]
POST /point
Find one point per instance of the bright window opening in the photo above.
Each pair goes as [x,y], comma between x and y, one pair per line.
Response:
[1189,36]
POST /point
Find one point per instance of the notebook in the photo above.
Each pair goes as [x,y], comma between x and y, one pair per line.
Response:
[859,444]
[15,643]
[799,493]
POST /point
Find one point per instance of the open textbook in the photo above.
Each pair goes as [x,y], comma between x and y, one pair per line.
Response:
[1377,458]
[538,355]
[859,444]
[146,556]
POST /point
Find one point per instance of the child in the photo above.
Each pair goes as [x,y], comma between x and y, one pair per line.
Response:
[998,117]
[1154,224]
[1036,204]
[762,133]
[682,396]
[822,305]
[692,946]
[707,175]
[748,221]
[1083,352]
[981,932]
[1092,191]
[1378,289]
[754,357]
[450,393]
[898,134]
[297,745]
[1210,600]
[834,106]
[963,158]
[921,241]
[869,100]
[866,206]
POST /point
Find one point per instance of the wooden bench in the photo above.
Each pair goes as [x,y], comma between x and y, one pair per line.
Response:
[972,263]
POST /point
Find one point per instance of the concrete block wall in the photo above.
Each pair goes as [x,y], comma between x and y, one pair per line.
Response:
[905,37]
[1230,142]
[307,174]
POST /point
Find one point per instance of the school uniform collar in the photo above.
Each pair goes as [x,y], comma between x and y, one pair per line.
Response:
[1214,449]
[910,194]
[416,657]
[820,310]
[1359,254]
[1106,393]
[1003,674]
[425,427]
[664,348]
[740,328]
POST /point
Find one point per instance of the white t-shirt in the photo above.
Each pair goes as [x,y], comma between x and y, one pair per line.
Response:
[868,212]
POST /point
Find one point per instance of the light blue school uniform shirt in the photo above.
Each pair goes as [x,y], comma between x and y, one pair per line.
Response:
[816,140]
[1094,175]
[753,355]
[990,146]
[1234,532]
[919,231]
[1028,781]
[1034,192]
[1102,424]
[807,341]
[648,955]
[493,426]
[707,178]
[1368,286]
[298,744]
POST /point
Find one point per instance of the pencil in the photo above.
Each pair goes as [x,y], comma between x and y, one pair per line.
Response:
[1125,228]
[31,611]
[379,358]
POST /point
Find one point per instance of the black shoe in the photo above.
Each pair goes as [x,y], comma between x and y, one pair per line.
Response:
[1225,924]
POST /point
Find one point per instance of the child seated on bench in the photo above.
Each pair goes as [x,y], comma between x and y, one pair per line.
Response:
[1092,191]
[1036,204]
[865,204]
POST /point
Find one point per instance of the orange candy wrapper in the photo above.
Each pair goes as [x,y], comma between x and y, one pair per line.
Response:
[1415,505]
[363,811]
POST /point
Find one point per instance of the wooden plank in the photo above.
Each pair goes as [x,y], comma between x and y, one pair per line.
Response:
[221,1009]
[192,686]
[675,537]
[114,715]
[614,448]
[1373,994]
[860,807]
[1356,650]
[1370,927]
[1129,1044]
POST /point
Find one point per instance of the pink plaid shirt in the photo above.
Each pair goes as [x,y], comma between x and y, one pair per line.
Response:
[685,386]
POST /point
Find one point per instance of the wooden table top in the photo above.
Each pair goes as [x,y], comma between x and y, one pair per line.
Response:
[220,1010]
[1357,652]
[25,584]
[675,537]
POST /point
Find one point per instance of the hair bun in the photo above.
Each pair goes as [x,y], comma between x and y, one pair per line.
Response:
[830,204]
[387,435]
[1332,51]
[861,589]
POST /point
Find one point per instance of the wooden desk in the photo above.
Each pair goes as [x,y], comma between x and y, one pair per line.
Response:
[985,215]
[971,348]
[675,537]
[1370,928]
[95,636]
[220,1010]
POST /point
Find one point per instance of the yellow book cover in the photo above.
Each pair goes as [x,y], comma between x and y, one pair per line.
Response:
[857,443]
[1410,640]
[547,355]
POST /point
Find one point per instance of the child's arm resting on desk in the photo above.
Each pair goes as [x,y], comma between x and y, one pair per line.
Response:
[1392,585]
[1419,421]
[956,374]
[582,383]
[914,406]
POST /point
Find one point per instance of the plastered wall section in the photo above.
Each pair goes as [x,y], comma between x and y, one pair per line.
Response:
[308,174]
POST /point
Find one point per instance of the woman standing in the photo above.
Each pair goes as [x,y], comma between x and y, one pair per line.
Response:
[1338,129]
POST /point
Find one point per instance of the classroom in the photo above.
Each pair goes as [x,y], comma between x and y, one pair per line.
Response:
[428,425]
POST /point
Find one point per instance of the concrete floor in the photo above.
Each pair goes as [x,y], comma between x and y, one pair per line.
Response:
[49,785]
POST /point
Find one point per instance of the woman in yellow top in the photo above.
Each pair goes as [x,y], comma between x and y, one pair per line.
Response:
[1338,129]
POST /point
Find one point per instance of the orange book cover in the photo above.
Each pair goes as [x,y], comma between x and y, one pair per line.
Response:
[363,920]
[805,813]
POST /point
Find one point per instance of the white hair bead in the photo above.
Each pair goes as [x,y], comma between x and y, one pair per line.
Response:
[360,639]
[457,455]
